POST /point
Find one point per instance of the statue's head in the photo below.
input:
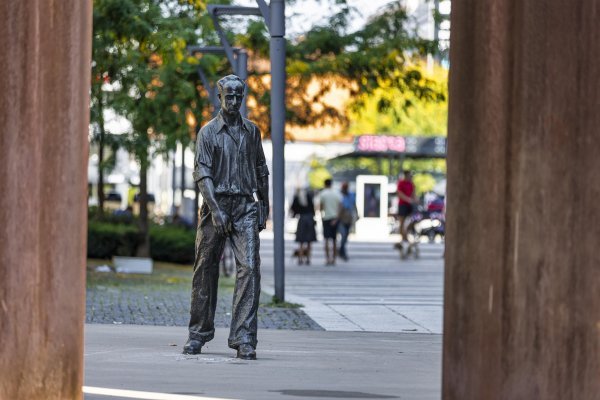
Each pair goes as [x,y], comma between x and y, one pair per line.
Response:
[231,93]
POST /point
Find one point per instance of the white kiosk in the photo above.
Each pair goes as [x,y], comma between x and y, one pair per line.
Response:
[372,205]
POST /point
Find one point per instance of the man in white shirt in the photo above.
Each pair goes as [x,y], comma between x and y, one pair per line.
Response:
[331,202]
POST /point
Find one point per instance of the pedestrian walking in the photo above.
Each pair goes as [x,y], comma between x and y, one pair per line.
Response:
[348,216]
[331,201]
[303,207]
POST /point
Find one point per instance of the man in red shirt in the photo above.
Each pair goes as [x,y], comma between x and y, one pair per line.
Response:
[406,200]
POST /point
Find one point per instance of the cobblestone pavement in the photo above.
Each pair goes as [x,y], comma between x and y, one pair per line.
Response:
[110,305]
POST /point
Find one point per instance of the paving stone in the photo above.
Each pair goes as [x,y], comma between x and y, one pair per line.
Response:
[171,308]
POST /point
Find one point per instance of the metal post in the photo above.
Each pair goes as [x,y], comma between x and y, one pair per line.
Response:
[211,90]
[242,72]
[277,52]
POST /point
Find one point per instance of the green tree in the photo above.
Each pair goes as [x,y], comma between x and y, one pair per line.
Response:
[382,54]
[114,23]
[154,85]
[318,173]
[391,111]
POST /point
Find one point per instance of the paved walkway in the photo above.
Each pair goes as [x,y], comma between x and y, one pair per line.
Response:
[145,362]
[375,291]
[382,317]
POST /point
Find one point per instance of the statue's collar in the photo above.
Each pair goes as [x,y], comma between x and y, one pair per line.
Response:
[221,122]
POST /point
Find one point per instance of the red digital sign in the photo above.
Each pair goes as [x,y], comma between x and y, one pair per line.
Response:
[381,143]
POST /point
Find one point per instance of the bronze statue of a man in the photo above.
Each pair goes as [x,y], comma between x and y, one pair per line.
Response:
[230,168]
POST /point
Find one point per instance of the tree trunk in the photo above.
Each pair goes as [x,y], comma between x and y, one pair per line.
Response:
[101,138]
[173,185]
[182,204]
[144,247]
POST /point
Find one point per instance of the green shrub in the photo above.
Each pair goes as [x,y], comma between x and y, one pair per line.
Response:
[167,243]
[111,217]
[172,244]
[106,240]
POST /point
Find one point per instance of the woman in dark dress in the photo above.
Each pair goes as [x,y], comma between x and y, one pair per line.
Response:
[303,206]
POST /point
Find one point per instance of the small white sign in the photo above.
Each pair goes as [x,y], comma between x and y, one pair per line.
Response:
[372,205]
[133,265]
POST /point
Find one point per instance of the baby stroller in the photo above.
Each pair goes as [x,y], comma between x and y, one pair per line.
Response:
[429,224]
[422,224]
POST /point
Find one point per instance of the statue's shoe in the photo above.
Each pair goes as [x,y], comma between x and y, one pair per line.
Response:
[192,346]
[246,352]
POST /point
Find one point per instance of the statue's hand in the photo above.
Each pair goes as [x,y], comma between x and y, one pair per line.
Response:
[220,222]
[263,215]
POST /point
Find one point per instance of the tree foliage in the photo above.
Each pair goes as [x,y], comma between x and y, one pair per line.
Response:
[141,70]
[389,110]
[380,55]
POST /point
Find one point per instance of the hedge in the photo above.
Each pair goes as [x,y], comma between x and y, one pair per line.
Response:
[172,244]
[167,243]
[106,240]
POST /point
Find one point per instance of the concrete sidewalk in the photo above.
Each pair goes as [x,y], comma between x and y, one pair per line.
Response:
[374,291]
[382,316]
[291,364]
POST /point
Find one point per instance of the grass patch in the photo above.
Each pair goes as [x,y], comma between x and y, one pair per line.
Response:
[165,277]
[276,303]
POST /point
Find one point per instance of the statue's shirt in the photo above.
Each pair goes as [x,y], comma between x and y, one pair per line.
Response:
[233,160]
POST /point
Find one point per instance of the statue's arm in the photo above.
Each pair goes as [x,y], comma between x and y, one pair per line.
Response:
[262,180]
[204,180]
[219,218]
[207,189]
[263,197]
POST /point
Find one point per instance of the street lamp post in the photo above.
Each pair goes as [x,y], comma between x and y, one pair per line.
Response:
[277,52]
[242,72]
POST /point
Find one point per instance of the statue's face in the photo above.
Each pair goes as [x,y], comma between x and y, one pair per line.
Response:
[231,97]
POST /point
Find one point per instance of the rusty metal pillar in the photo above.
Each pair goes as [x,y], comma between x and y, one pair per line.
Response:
[45,57]
[522,297]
